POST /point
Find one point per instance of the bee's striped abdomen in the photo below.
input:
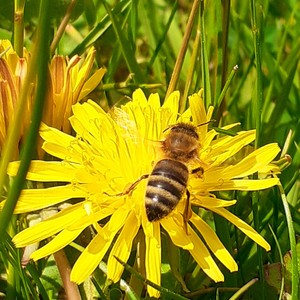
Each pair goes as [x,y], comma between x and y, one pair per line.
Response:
[166,185]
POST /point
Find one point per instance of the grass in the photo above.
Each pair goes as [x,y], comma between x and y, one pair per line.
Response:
[161,46]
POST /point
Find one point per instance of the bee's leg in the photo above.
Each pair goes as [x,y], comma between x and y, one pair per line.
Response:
[130,188]
[187,214]
[198,170]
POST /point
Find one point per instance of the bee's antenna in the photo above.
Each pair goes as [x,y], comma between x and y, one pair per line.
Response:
[205,123]
[171,126]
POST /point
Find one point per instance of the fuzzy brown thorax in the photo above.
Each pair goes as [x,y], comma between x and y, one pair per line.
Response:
[181,143]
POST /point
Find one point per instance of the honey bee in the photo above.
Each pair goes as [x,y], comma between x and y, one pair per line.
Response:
[167,183]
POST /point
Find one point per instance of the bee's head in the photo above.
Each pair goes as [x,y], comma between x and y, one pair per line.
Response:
[182,142]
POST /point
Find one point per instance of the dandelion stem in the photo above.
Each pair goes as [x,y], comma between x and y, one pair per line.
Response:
[64,268]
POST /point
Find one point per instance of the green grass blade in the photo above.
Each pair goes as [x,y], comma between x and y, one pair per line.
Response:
[19,26]
[40,59]
[204,59]
[292,240]
[159,288]
[126,47]
[164,35]
[100,28]
[256,22]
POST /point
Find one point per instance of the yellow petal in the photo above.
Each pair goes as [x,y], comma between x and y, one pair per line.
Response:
[197,109]
[252,163]
[90,258]
[225,147]
[209,113]
[93,215]
[204,258]
[186,116]
[34,199]
[168,114]
[238,184]
[214,243]
[244,227]
[92,109]
[88,121]
[60,241]
[154,101]
[94,252]
[54,135]
[139,97]
[5,45]
[61,145]
[199,114]
[80,77]
[46,171]
[122,247]
[91,115]
[254,185]
[153,258]
[49,227]
[92,83]
[211,202]
[117,220]
[176,233]
[172,103]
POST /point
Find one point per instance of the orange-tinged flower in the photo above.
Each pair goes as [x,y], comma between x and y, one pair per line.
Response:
[12,74]
[70,81]
[112,151]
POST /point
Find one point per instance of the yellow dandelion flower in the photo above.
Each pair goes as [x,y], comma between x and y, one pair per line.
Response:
[110,153]
[70,81]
